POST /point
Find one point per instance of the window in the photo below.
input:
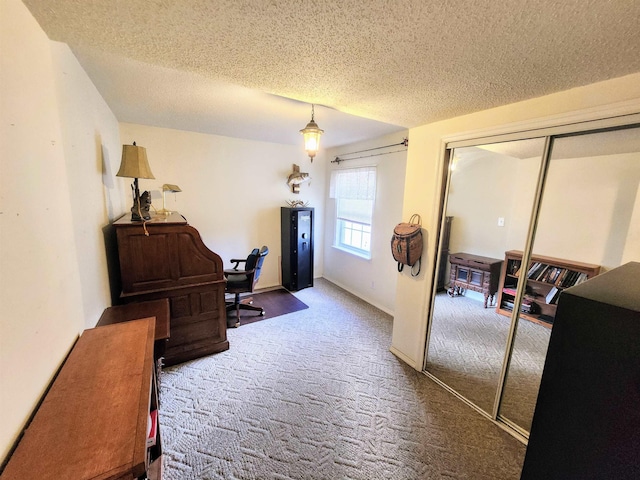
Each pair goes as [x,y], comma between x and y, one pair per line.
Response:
[354,190]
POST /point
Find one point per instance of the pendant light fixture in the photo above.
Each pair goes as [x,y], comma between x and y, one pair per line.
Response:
[311,134]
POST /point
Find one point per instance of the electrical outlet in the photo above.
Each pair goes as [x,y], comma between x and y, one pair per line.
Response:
[501,221]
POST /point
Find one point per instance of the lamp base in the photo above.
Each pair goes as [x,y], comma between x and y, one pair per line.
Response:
[140,208]
[164,211]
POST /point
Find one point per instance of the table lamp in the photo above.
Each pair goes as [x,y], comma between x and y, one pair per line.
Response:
[135,165]
[167,188]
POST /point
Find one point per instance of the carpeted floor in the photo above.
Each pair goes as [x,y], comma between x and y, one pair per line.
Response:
[274,302]
[316,394]
[466,352]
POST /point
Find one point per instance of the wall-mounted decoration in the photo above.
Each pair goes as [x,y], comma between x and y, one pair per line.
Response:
[296,178]
[297,203]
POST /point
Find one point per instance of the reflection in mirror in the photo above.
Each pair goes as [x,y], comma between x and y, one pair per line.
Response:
[589,222]
[488,206]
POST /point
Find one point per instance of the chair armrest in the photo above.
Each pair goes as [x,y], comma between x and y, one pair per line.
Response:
[233,271]
[237,261]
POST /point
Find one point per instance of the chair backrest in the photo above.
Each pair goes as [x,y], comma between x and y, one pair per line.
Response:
[259,261]
[252,259]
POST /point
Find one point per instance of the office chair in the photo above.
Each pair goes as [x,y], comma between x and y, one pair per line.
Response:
[243,281]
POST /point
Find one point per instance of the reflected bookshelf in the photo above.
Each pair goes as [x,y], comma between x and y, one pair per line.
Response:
[546,278]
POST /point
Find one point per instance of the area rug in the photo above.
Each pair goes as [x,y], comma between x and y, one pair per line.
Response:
[274,302]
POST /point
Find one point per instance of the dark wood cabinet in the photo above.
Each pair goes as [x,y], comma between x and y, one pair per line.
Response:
[166,259]
[586,423]
[476,273]
[297,247]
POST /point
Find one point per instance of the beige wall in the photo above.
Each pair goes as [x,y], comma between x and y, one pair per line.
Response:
[373,280]
[55,133]
[424,172]
[232,189]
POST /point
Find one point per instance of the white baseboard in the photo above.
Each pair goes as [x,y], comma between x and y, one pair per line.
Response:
[405,358]
[370,301]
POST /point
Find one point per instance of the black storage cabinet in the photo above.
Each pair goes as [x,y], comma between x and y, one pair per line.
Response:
[297,247]
[587,420]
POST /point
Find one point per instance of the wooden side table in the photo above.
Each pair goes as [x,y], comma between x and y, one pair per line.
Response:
[93,420]
[476,273]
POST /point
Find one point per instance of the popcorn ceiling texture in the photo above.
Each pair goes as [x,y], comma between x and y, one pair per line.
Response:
[402,62]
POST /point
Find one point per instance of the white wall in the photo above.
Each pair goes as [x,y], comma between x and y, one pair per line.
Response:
[590,221]
[53,277]
[232,189]
[423,183]
[373,280]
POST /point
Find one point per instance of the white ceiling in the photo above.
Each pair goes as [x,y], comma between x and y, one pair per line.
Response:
[250,68]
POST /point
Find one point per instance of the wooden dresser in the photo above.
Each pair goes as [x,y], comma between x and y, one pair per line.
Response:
[93,421]
[476,273]
[166,259]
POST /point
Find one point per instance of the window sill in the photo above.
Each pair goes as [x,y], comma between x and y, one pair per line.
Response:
[355,253]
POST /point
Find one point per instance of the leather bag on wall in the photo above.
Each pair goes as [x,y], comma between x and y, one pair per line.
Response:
[406,244]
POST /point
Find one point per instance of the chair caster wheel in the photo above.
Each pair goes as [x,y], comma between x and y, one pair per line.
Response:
[262,312]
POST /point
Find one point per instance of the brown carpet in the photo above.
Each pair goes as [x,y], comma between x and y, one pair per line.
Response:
[275,303]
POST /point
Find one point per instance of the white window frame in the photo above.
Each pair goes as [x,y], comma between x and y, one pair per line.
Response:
[357,184]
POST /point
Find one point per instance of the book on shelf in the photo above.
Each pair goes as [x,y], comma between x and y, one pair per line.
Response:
[152,428]
[552,296]
[542,272]
[533,268]
[581,278]
[573,278]
[514,268]
[527,306]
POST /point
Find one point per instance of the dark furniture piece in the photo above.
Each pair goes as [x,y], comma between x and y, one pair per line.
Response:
[297,247]
[476,273]
[93,420]
[156,309]
[444,254]
[586,423]
[173,263]
[546,278]
[243,281]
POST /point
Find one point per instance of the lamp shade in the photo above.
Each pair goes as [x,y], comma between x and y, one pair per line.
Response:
[167,187]
[134,162]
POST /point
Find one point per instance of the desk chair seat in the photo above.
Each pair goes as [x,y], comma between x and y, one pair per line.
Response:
[243,281]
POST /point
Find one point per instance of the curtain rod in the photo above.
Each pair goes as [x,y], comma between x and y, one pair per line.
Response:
[404,142]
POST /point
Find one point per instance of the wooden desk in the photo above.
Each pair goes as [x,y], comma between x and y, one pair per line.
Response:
[93,421]
[476,273]
[170,261]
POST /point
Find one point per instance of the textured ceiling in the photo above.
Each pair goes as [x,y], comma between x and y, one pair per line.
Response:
[250,68]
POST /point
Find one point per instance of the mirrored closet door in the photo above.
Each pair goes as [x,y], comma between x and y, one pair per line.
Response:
[488,205]
[523,220]
[588,223]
